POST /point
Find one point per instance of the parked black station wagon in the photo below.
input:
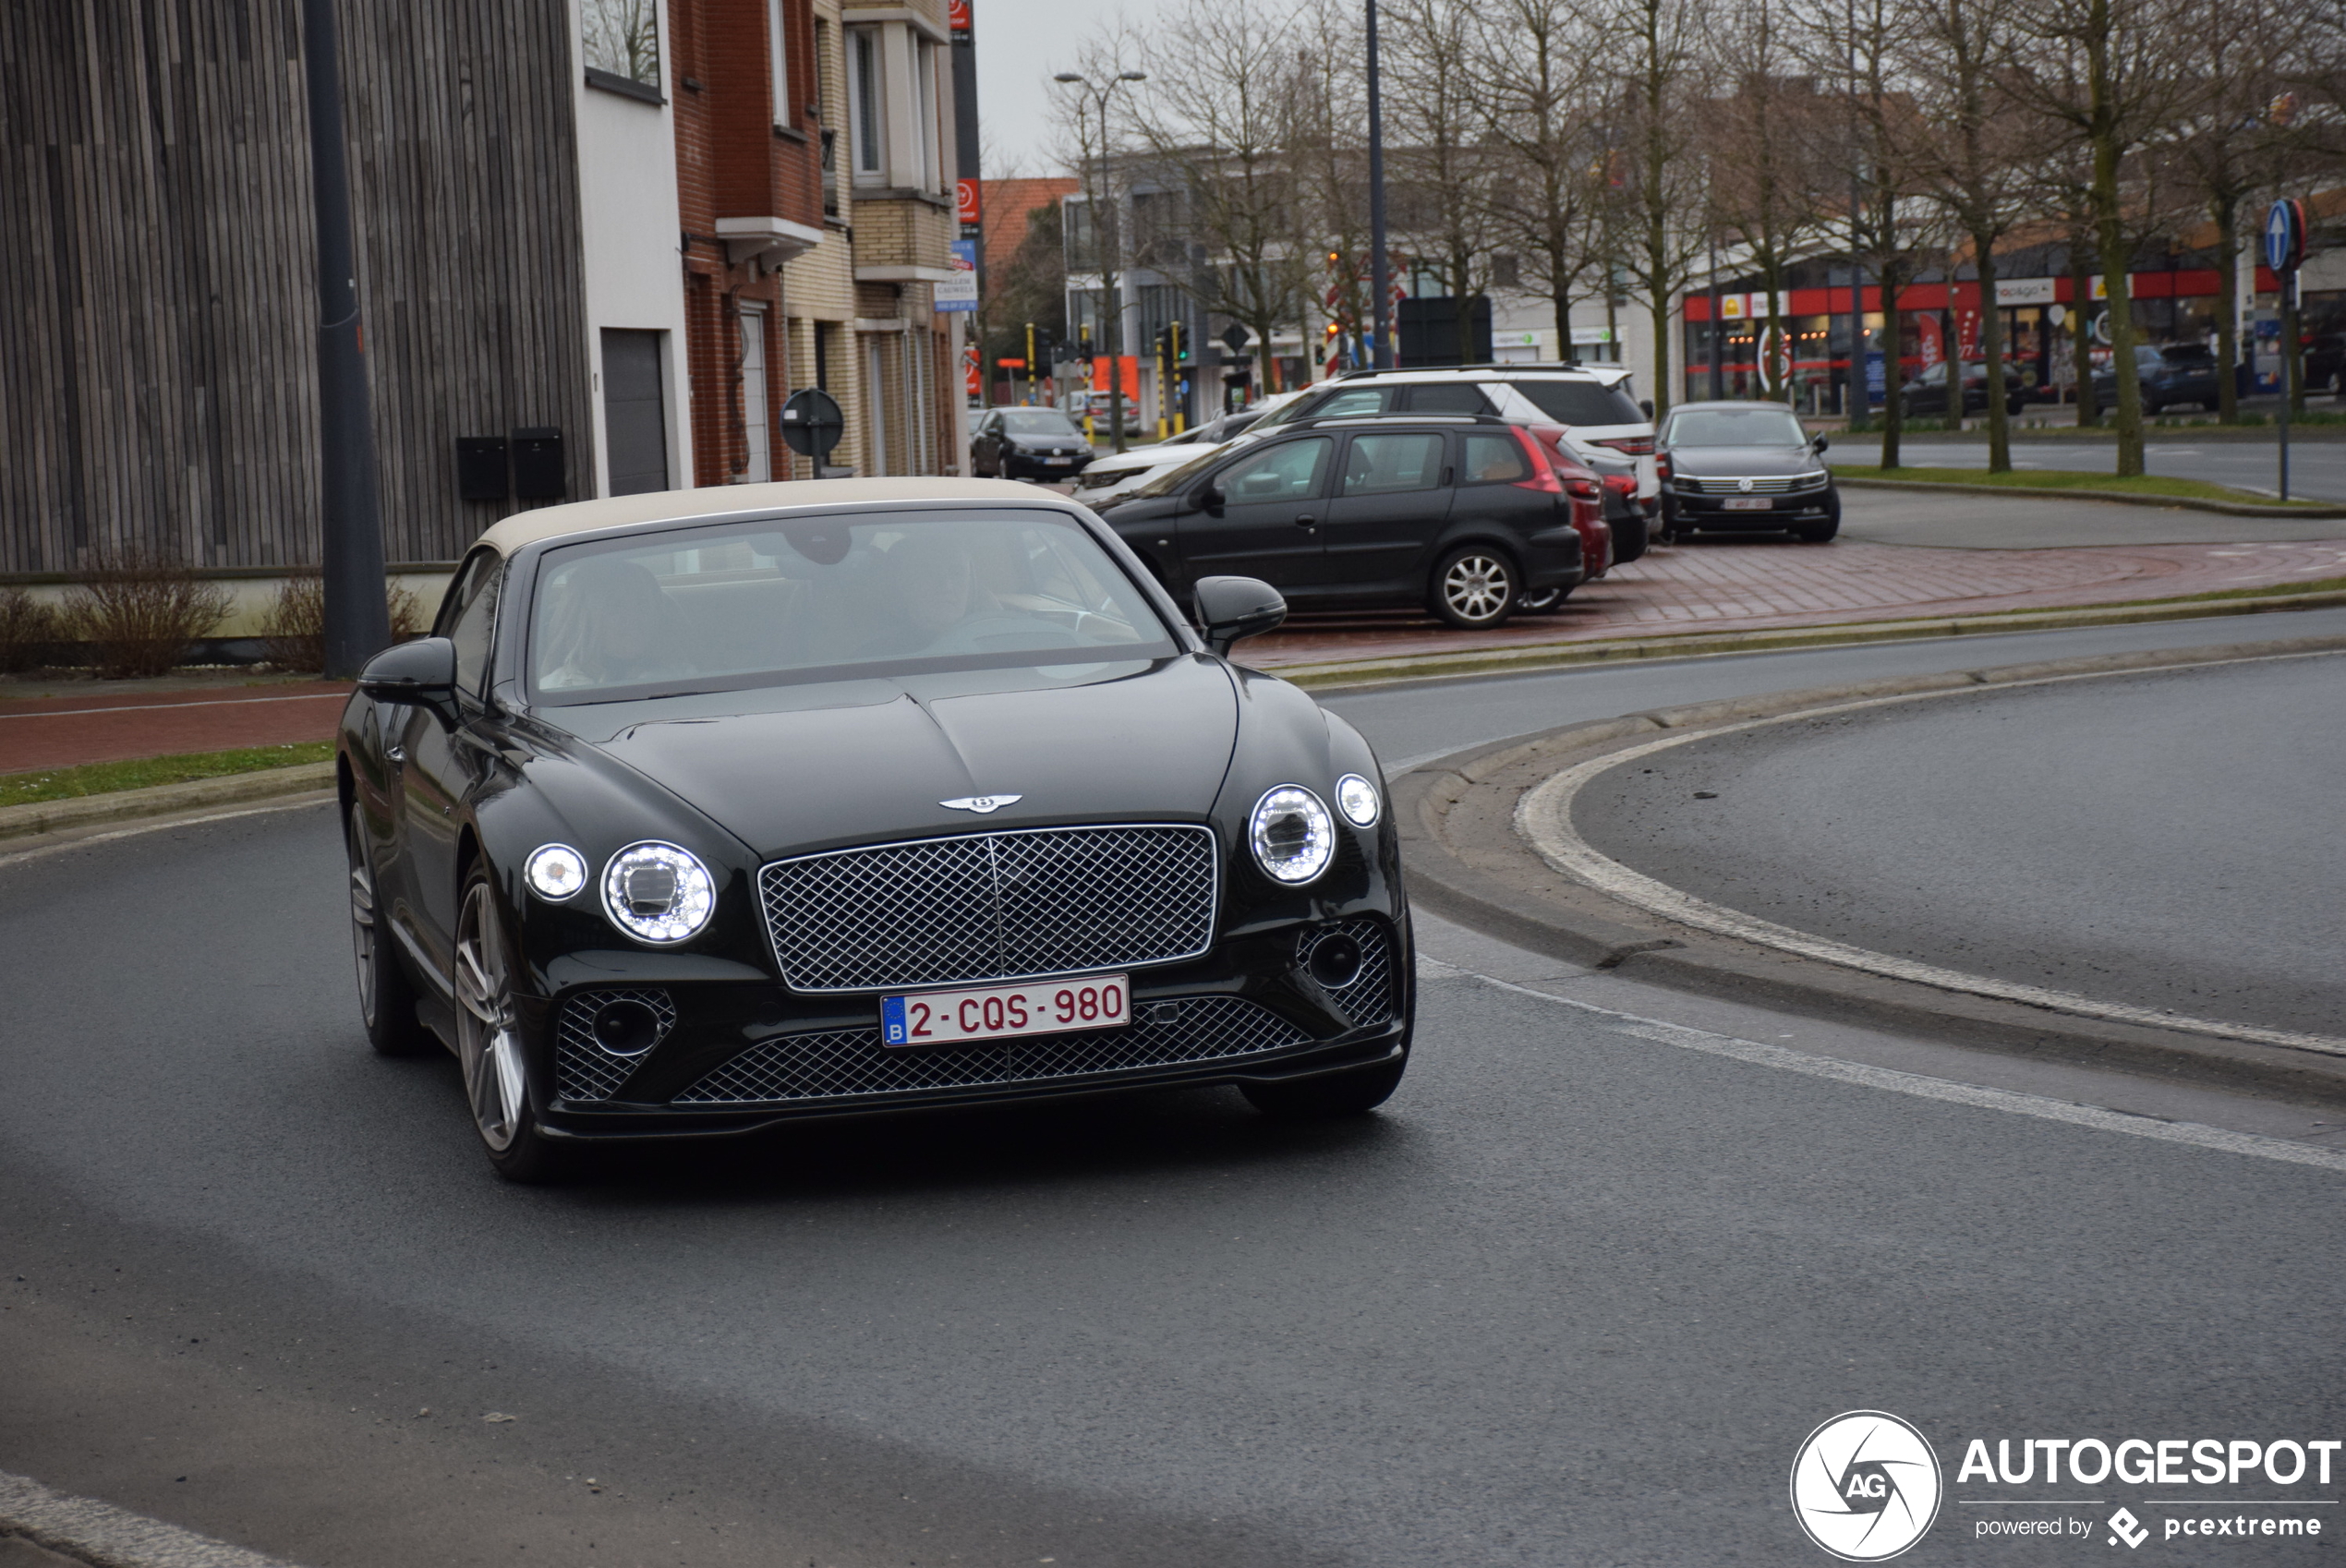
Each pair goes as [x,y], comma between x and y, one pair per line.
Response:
[1462,515]
[705,810]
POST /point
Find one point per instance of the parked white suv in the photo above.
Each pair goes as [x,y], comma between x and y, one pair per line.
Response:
[1605,428]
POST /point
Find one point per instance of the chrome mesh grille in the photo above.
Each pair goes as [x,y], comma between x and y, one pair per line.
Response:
[1771,487]
[991,906]
[852,1061]
[1369,998]
[583,1070]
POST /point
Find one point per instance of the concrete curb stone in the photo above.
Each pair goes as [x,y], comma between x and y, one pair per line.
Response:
[1468,862]
[2189,503]
[163,800]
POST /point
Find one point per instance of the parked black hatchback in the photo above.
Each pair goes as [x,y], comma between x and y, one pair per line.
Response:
[1461,515]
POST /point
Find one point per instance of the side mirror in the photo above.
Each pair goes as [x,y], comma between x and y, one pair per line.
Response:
[422,673]
[1211,499]
[1646,404]
[1230,608]
[1821,442]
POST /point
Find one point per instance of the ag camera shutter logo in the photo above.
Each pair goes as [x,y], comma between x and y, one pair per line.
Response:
[1865,1486]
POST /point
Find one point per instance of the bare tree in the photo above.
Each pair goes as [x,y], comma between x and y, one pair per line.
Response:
[1655,180]
[1537,68]
[1097,131]
[1971,145]
[2109,71]
[1219,123]
[1329,152]
[1443,209]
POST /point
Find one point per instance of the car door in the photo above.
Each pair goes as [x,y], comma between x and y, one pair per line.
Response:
[1266,524]
[985,449]
[440,763]
[1391,496]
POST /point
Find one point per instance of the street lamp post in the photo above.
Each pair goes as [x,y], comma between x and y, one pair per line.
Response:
[1101,233]
[1381,348]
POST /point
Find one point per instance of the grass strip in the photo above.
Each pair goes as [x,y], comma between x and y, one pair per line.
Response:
[2150,485]
[104,777]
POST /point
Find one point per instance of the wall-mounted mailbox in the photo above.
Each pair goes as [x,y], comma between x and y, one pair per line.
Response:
[538,463]
[481,473]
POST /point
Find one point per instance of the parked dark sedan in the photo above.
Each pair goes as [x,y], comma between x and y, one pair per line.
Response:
[1032,443]
[1927,394]
[2326,363]
[2178,374]
[705,810]
[1745,467]
[1463,514]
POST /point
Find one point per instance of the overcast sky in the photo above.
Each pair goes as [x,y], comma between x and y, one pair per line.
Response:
[1020,45]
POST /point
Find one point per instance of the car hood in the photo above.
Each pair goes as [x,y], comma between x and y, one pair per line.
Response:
[791,769]
[1737,461]
[1141,459]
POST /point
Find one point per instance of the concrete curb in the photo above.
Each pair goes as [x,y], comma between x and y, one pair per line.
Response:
[1530,657]
[163,800]
[1467,861]
[2189,503]
[83,1530]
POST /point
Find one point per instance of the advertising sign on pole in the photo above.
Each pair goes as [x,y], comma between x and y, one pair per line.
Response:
[960,291]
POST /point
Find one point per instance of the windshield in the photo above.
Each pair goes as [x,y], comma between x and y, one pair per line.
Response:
[1038,422]
[739,605]
[1735,427]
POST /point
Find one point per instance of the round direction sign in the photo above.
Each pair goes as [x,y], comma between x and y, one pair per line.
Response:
[2285,234]
[811,422]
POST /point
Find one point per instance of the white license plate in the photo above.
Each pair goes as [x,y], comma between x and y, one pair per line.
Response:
[1057,462]
[1750,504]
[1002,1012]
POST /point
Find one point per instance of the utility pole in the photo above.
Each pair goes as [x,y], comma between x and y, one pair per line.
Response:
[1032,363]
[1718,335]
[1857,390]
[1106,239]
[357,616]
[1381,267]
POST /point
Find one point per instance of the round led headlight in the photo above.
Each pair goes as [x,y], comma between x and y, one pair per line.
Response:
[555,871]
[1292,834]
[1356,797]
[657,893]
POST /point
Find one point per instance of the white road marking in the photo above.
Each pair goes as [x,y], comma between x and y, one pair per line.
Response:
[2041,1106]
[99,1532]
[1545,817]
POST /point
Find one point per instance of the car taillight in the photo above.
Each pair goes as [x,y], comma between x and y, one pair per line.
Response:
[1661,467]
[1633,446]
[1543,475]
[1584,489]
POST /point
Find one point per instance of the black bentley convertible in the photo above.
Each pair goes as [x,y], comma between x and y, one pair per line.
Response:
[705,810]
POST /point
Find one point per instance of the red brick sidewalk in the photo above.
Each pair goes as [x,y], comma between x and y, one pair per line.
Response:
[1709,586]
[102,726]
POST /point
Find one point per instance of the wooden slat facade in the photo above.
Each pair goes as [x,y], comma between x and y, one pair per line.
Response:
[157,310]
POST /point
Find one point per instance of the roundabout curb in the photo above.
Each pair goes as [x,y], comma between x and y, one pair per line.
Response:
[1462,820]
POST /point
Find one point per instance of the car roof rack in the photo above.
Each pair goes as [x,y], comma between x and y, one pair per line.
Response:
[1394,417]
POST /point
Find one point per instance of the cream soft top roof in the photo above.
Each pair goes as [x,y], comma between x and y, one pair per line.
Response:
[719,500]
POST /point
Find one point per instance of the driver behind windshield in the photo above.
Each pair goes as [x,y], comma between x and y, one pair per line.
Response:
[928,576]
[609,624]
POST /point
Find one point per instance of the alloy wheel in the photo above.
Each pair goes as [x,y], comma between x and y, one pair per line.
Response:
[363,934]
[488,1047]
[1476,588]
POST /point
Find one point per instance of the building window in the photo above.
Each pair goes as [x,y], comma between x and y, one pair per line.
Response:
[866,107]
[622,39]
[777,34]
[926,66]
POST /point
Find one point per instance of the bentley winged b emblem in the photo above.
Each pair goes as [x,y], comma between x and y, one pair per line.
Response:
[981,804]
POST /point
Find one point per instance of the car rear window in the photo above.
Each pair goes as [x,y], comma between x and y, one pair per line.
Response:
[1581,403]
[1494,459]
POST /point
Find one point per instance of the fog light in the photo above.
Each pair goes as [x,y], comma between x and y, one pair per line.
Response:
[626,1028]
[1335,960]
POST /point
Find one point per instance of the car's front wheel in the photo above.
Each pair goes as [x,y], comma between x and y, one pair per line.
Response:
[489,1041]
[386,1000]
[1474,588]
[1328,1096]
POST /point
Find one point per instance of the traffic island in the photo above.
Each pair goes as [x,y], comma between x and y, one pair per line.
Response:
[1474,858]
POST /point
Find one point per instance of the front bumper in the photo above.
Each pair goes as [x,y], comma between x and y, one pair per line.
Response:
[1712,512]
[733,1056]
[1021,466]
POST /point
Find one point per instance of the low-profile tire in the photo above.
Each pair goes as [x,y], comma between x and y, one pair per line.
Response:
[489,1043]
[1330,1096]
[1543,601]
[386,996]
[1474,588]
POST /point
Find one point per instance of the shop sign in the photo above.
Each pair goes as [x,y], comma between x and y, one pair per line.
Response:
[2024,291]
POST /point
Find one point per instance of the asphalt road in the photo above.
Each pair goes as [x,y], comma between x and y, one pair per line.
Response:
[2143,840]
[1576,1296]
[2317,467]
